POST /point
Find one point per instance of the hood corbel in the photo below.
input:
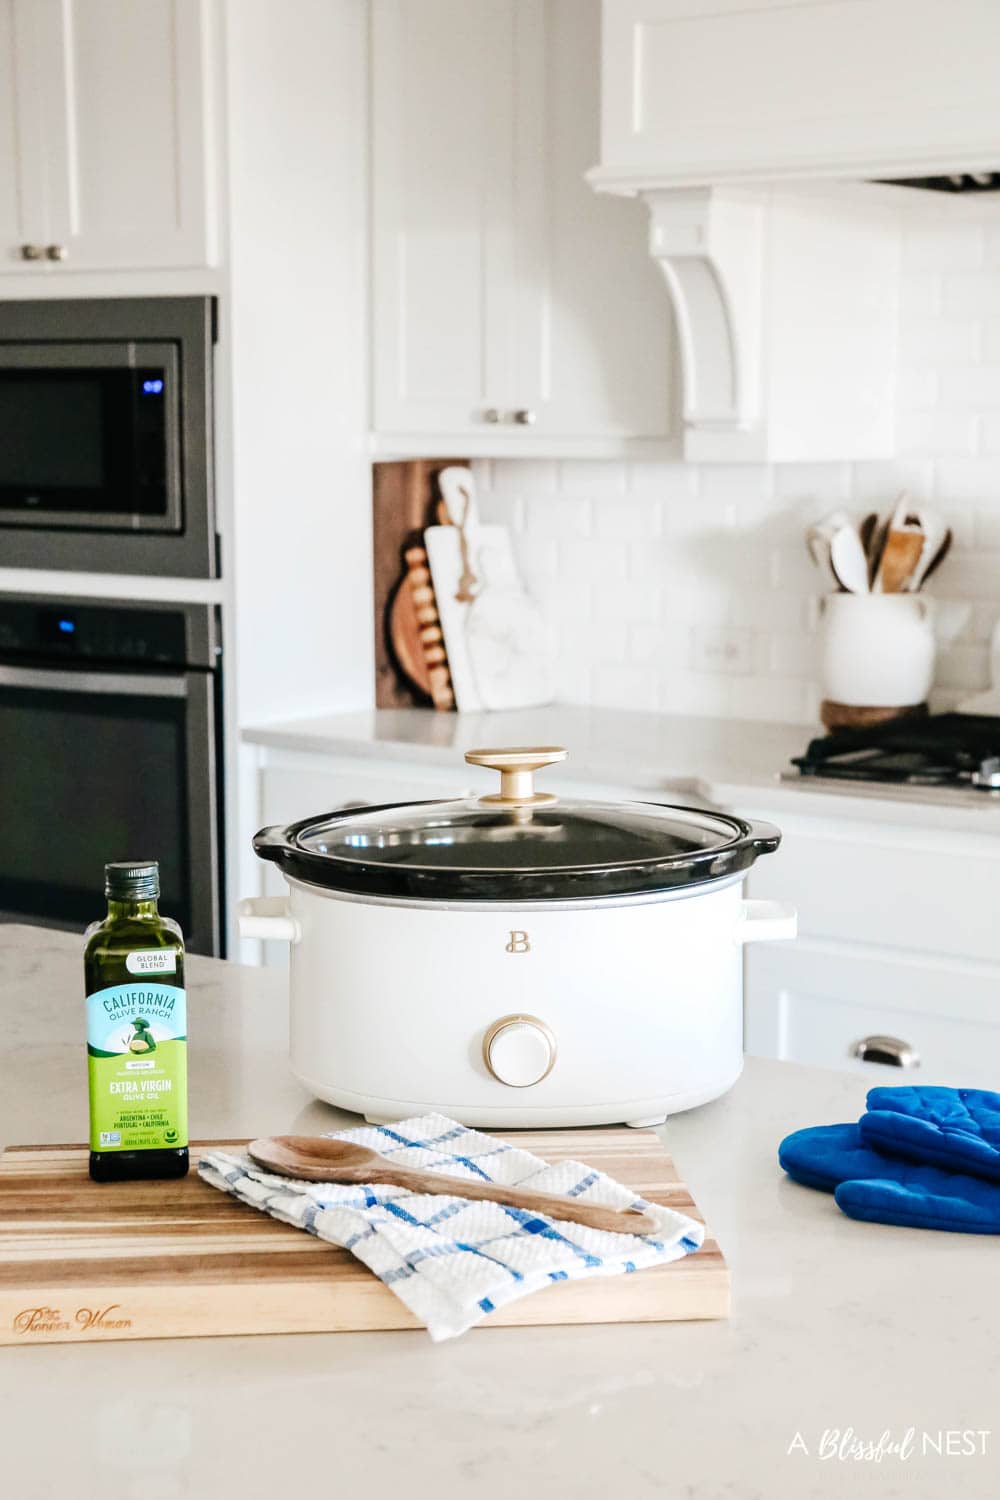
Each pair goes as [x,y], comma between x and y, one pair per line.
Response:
[785,303]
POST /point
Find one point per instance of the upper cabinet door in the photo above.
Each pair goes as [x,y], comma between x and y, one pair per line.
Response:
[126,132]
[22,165]
[697,93]
[513,309]
[442,231]
[593,355]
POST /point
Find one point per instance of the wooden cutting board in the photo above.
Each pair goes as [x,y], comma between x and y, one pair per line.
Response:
[80,1260]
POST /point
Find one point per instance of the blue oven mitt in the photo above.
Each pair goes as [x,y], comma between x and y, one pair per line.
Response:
[957,1129]
[869,1185]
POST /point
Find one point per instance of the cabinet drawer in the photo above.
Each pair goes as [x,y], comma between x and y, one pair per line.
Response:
[863,886]
[810,1003]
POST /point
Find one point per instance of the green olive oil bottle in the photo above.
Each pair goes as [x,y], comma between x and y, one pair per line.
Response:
[136,1032]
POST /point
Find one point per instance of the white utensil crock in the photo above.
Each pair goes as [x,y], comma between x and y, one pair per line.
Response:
[877,650]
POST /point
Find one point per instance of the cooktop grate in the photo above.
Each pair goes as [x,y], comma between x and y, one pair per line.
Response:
[944,750]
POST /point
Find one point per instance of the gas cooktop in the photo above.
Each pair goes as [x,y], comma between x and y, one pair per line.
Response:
[945,750]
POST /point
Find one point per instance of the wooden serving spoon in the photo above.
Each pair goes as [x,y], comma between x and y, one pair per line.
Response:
[314,1158]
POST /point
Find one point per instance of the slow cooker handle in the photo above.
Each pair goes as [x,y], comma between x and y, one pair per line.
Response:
[267,917]
[269,843]
[764,837]
[766,922]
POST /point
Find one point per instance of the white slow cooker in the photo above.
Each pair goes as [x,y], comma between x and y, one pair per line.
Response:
[517,960]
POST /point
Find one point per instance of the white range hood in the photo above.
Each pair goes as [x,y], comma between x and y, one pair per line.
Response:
[751,131]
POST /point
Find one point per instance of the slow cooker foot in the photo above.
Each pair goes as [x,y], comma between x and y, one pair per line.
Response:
[646,1123]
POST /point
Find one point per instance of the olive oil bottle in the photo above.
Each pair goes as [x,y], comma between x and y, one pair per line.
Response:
[136,1032]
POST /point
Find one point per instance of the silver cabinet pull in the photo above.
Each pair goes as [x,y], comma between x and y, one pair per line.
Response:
[56,252]
[491,415]
[32,252]
[524,416]
[886,1049]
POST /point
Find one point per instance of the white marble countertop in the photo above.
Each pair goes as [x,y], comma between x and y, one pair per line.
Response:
[835,1324]
[728,762]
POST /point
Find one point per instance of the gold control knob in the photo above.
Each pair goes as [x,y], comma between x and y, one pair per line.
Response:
[56,252]
[517,767]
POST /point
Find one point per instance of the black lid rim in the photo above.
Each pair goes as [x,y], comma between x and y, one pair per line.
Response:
[568,882]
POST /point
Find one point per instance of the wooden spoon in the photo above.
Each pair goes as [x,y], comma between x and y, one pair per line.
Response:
[314,1158]
[900,556]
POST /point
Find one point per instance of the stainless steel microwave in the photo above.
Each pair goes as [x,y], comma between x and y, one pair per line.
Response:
[106,436]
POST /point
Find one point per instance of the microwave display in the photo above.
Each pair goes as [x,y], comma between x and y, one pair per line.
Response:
[91,441]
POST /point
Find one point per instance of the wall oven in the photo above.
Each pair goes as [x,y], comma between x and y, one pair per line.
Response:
[110,748]
[106,436]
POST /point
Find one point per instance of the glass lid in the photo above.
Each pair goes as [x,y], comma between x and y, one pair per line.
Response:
[516,844]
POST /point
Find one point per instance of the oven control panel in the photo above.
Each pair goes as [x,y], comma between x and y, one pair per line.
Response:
[54,630]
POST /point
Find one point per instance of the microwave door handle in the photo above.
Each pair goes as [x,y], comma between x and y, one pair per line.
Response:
[139,685]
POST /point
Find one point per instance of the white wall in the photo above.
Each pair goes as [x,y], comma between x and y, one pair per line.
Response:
[297,88]
[651,572]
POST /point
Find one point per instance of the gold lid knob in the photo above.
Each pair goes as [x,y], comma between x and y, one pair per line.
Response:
[517,767]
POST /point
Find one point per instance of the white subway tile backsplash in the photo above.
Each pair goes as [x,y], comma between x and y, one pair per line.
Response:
[620,599]
[592,476]
[975,481]
[791,655]
[989,433]
[722,648]
[627,519]
[556,516]
[669,482]
[937,431]
[627,685]
[578,556]
[965,667]
[939,342]
[777,699]
[687,588]
[971,386]
[945,247]
[919,388]
[921,295]
[972,294]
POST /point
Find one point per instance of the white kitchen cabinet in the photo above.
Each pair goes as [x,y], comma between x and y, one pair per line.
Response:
[104,135]
[820,1003]
[696,93]
[898,938]
[513,309]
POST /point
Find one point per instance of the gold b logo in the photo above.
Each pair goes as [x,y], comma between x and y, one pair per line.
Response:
[518,943]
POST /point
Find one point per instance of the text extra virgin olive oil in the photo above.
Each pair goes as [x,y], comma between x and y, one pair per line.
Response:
[136,1032]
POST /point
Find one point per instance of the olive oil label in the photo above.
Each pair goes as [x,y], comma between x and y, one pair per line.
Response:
[152,961]
[137,1061]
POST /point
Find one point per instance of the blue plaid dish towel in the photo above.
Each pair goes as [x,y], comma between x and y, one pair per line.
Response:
[452,1261]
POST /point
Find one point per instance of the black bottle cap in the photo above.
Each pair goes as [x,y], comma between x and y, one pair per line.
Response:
[132,880]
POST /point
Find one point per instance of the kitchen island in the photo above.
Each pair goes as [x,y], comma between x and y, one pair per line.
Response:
[836,1325]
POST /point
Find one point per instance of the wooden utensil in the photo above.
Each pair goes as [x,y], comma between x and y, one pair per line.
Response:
[900,556]
[314,1158]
